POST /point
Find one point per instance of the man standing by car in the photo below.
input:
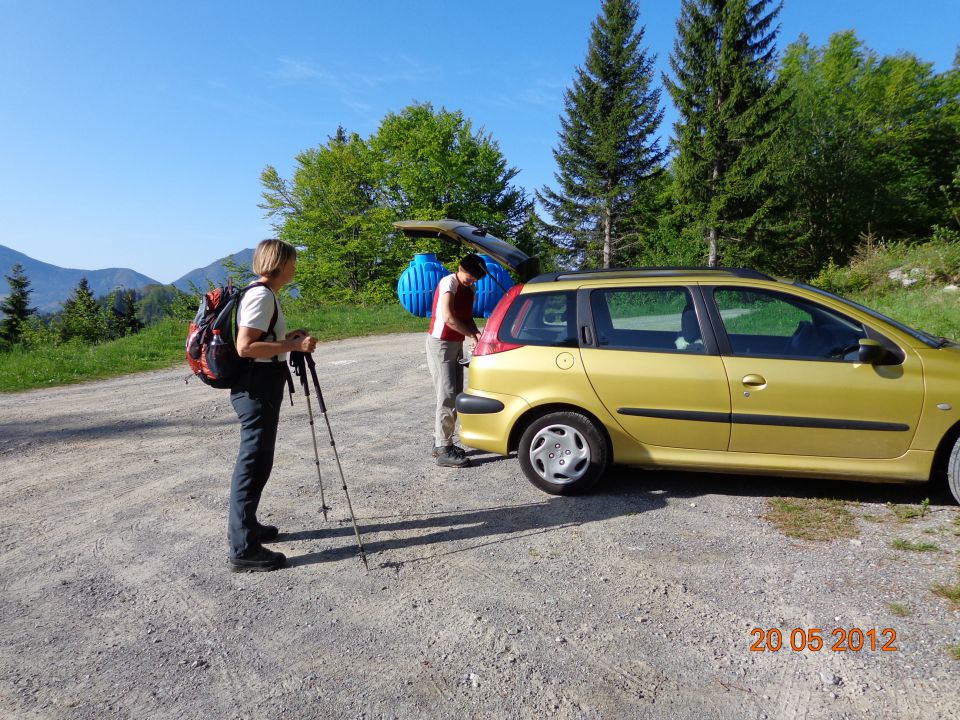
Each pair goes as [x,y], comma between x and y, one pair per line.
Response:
[451,321]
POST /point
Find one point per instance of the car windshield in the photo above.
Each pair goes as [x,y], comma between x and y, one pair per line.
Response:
[926,338]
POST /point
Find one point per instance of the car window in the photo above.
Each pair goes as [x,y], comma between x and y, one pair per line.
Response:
[772,324]
[652,319]
[547,318]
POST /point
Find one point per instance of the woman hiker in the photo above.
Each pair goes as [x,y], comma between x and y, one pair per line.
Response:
[451,321]
[257,398]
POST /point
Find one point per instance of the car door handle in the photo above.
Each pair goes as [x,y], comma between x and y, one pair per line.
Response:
[585,335]
[753,380]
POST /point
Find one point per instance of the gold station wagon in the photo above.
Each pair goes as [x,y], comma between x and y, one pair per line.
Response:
[723,370]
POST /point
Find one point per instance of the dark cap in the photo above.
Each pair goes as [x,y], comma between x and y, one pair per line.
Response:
[474,265]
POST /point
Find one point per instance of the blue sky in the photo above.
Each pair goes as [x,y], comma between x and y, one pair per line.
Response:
[133,134]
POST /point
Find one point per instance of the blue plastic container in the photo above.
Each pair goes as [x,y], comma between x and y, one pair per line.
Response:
[488,292]
[417,283]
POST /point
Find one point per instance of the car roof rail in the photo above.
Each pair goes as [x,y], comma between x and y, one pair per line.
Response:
[637,272]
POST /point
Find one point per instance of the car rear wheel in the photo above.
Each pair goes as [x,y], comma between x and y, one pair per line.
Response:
[953,471]
[563,453]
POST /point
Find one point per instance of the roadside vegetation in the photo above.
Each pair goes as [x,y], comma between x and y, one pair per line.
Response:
[162,345]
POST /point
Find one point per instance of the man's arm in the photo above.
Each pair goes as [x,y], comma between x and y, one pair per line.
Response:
[468,328]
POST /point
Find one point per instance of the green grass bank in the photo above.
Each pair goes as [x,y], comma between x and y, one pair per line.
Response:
[161,346]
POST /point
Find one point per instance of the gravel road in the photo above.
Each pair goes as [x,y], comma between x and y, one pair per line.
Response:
[485,598]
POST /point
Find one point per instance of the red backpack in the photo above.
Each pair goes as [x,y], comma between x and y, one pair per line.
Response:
[211,349]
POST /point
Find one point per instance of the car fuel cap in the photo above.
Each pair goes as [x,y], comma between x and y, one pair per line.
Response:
[565,361]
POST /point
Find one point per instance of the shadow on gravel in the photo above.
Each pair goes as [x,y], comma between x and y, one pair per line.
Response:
[624,491]
[72,427]
[491,526]
[683,485]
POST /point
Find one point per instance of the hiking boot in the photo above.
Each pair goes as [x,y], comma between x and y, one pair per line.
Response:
[453,456]
[258,560]
[268,533]
[440,449]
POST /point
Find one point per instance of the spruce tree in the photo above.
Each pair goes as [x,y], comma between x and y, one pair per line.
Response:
[124,319]
[16,306]
[82,317]
[608,150]
[723,64]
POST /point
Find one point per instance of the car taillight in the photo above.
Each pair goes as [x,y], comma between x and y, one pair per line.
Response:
[490,343]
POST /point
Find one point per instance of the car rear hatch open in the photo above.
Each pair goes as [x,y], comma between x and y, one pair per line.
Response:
[524,266]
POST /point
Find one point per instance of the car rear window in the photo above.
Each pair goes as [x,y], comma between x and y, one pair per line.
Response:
[547,318]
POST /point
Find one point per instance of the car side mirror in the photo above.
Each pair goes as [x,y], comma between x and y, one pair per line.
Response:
[872,352]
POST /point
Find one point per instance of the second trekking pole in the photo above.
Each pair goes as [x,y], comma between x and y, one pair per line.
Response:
[300,361]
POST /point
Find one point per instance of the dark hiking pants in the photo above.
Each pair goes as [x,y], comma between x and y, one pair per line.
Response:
[257,401]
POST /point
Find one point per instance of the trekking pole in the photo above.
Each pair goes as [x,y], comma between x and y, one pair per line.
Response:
[299,358]
[296,360]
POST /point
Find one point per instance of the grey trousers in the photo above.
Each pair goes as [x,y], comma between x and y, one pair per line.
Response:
[447,374]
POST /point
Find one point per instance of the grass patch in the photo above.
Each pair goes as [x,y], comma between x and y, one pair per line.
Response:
[161,346]
[948,592]
[954,651]
[910,512]
[929,309]
[899,609]
[812,518]
[901,544]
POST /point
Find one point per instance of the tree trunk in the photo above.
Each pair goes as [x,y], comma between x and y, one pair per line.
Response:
[607,249]
[712,230]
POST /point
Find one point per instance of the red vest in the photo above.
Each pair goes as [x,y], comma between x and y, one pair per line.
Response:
[462,308]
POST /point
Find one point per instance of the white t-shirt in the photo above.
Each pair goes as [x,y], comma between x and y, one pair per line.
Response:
[256,311]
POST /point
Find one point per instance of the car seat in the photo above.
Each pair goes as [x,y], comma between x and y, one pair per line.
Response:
[806,342]
[689,338]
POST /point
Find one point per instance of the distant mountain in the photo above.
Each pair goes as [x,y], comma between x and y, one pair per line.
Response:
[214,272]
[51,285]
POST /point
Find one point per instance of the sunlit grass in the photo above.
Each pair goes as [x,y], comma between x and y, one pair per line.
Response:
[901,544]
[812,518]
[162,346]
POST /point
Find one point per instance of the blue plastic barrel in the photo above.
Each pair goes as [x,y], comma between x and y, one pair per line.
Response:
[417,283]
[488,291]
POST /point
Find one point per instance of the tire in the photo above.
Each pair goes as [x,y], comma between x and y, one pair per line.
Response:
[953,471]
[563,453]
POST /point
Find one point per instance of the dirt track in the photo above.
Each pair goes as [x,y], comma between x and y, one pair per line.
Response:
[485,598]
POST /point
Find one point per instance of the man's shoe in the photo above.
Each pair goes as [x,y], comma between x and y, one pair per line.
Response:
[453,456]
[438,450]
[258,560]
[268,533]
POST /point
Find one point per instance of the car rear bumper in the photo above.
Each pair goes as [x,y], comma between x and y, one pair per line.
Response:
[486,419]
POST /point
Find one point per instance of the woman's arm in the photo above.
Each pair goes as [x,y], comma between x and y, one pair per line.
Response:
[250,345]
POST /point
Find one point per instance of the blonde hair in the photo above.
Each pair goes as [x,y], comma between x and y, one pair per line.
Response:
[271,255]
